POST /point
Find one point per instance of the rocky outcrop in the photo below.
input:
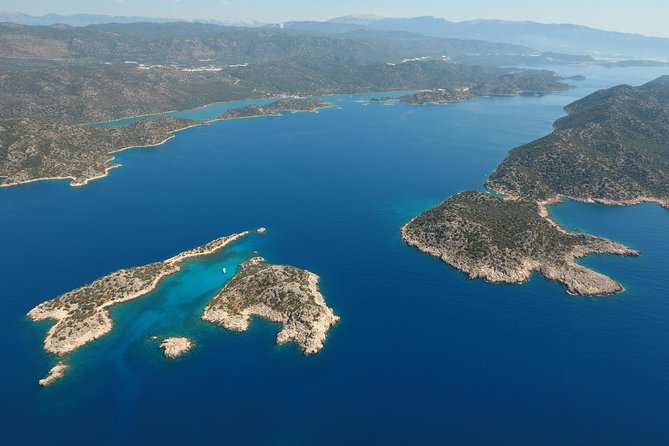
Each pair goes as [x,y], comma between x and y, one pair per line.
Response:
[278,293]
[175,347]
[56,373]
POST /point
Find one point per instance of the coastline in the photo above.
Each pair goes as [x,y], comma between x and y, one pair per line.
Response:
[272,292]
[75,183]
[561,266]
[77,324]
[83,182]
[79,183]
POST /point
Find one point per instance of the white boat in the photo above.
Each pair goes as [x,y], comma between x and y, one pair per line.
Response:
[224,271]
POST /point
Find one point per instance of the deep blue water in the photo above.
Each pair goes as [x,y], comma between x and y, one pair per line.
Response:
[421,356]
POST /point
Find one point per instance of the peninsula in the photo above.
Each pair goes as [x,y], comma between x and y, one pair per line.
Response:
[83,153]
[82,315]
[611,148]
[505,241]
[35,151]
[278,293]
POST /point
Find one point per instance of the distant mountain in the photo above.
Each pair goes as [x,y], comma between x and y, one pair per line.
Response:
[555,38]
[562,38]
[96,19]
[200,44]
[359,19]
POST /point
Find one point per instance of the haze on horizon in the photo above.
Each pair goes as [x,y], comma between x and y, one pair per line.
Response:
[643,17]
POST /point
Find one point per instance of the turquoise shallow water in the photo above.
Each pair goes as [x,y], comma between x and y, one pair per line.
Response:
[422,355]
[213,111]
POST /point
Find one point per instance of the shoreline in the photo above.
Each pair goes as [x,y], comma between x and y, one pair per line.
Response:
[74,183]
[577,279]
[76,324]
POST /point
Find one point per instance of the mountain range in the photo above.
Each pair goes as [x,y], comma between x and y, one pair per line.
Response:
[566,38]
[560,38]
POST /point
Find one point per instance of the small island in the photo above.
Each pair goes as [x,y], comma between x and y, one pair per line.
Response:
[276,108]
[534,82]
[176,346]
[505,241]
[56,373]
[278,293]
[82,315]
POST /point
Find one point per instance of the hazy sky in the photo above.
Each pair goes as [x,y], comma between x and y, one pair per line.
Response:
[649,17]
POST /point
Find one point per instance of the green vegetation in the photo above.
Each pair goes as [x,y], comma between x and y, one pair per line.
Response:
[497,232]
[612,147]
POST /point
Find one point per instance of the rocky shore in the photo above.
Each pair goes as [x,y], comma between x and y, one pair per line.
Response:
[175,347]
[505,241]
[278,293]
[82,315]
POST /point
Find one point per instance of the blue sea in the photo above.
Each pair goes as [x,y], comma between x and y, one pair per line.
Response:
[422,355]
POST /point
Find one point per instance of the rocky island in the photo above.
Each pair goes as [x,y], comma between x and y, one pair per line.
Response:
[278,293]
[176,346]
[505,241]
[611,148]
[525,82]
[56,373]
[276,108]
[82,315]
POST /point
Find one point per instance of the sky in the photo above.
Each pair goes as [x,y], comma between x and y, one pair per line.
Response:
[648,17]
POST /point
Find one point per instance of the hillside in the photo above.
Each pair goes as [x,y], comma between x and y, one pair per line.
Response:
[612,147]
